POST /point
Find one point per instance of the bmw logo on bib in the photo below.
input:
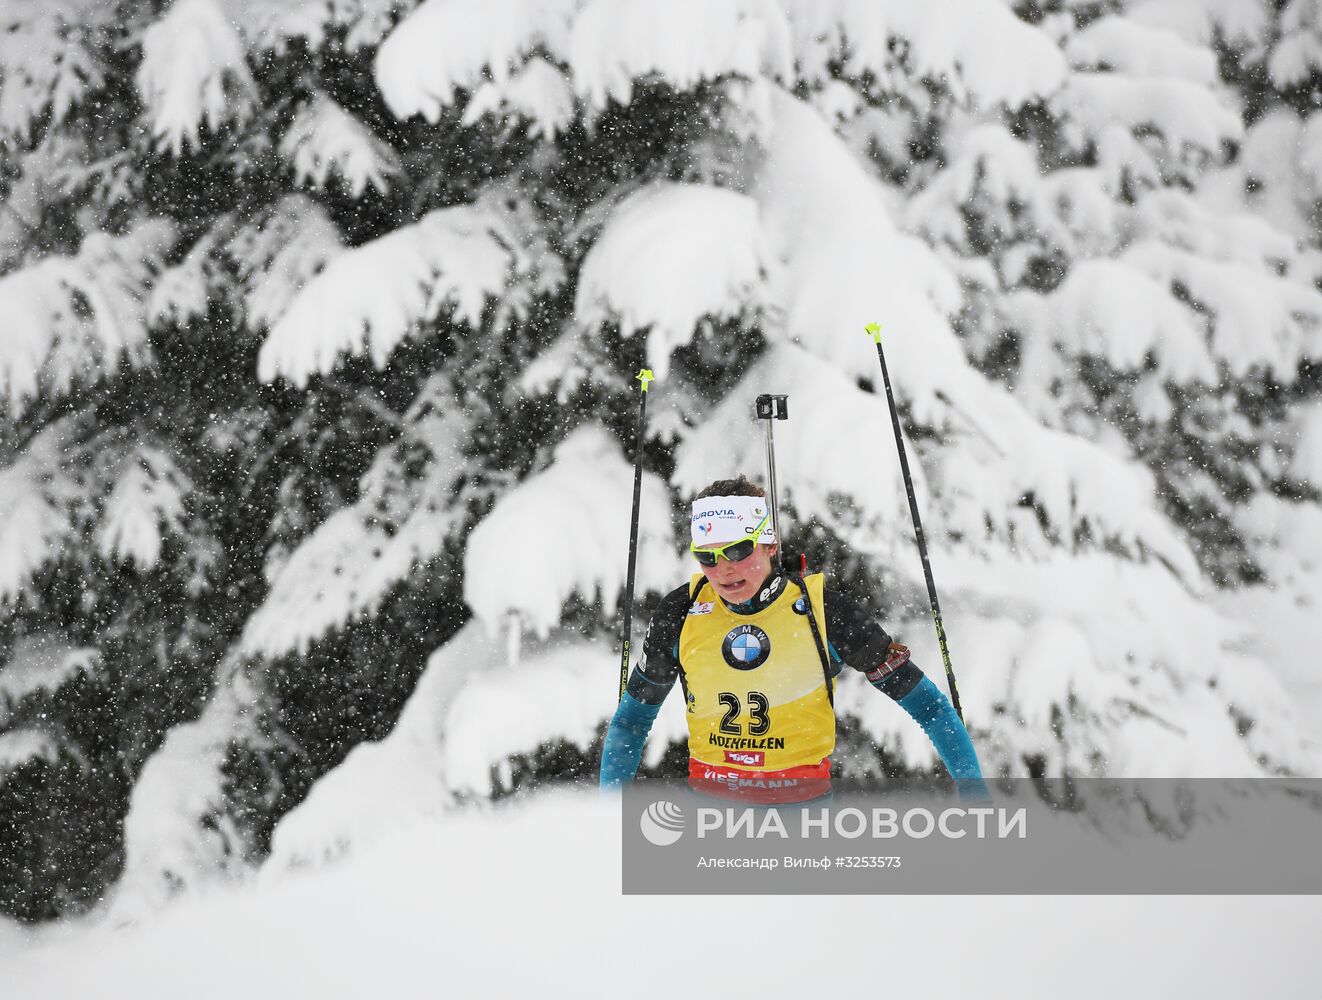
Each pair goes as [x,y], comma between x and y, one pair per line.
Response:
[746,647]
[800,607]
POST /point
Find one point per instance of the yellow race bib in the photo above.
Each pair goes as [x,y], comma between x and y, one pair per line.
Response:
[756,690]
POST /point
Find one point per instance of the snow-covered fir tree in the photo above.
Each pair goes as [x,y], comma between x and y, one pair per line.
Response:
[317,328]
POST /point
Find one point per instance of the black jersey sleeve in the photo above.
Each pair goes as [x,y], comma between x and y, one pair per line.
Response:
[654,676]
[854,633]
[860,641]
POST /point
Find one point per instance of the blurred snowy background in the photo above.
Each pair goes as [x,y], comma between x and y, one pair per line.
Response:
[318,320]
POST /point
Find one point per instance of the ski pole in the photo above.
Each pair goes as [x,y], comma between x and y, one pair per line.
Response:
[874,330]
[644,376]
[769,407]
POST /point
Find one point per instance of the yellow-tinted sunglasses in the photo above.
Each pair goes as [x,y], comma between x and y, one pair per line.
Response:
[736,551]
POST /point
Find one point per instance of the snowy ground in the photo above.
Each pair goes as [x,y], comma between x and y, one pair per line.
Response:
[524,901]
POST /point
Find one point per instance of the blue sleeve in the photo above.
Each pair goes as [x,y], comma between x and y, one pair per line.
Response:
[932,710]
[623,747]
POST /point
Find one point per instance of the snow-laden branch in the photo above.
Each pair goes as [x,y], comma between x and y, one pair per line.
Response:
[194,71]
[326,141]
[1281,165]
[446,46]
[1204,226]
[977,48]
[1298,53]
[997,177]
[1112,310]
[45,68]
[575,514]
[185,291]
[37,517]
[1306,460]
[41,664]
[279,252]
[406,513]
[1187,116]
[669,256]
[146,503]
[109,495]
[25,744]
[444,744]
[1287,534]
[684,42]
[368,299]
[1231,308]
[179,832]
[536,92]
[843,262]
[1136,49]
[74,319]
[1204,22]
[1105,666]
[364,22]
[1083,495]
[1258,318]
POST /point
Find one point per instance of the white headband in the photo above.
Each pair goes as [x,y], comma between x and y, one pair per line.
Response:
[720,520]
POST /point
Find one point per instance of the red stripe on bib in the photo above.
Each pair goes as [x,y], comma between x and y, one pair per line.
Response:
[794,784]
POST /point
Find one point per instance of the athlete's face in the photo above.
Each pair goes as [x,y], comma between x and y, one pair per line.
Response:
[736,582]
